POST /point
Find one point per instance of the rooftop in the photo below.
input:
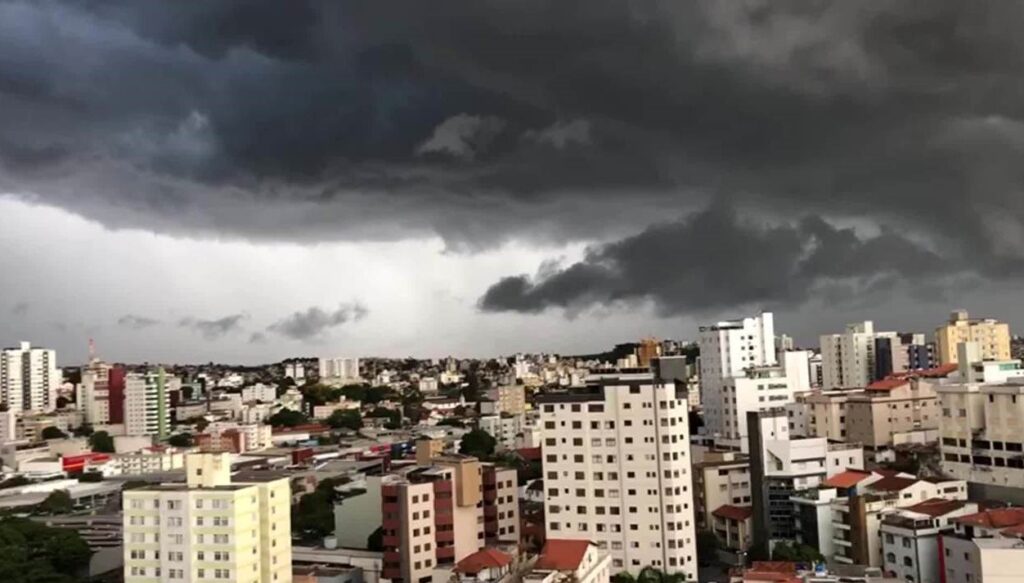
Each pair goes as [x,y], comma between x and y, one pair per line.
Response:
[935,507]
[847,479]
[892,483]
[562,554]
[483,559]
[731,512]
[995,518]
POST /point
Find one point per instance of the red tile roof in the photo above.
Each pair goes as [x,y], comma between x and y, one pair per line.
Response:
[483,559]
[939,371]
[887,384]
[774,571]
[936,506]
[731,512]
[892,484]
[562,554]
[530,454]
[997,518]
[847,479]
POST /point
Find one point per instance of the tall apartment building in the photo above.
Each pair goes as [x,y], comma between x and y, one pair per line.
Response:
[339,369]
[93,396]
[901,353]
[759,389]
[147,403]
[440,513]
[780,467]
[982,438]
[29,378]
[720,479]
[616,470]
[208,528]
[891,408]
[508,399]
[991,335]
[849,359]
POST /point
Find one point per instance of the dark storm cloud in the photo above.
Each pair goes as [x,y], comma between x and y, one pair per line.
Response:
[214,329]
[314,322]
[135,322]
[494,120]
[714,260]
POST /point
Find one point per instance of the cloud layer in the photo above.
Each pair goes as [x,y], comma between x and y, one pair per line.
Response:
[313,323]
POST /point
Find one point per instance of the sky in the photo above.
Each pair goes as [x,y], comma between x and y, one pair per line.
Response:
[246,181]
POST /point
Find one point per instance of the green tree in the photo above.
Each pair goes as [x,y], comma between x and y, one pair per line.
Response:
[707,547]
[84,430]
[58,502]
[345,419]
[101,441]
[287,418]
[184,439]
[795,552]
[52,432]
[313,516]
[478,443]
[623,577]
[30,551]
[655,575]
[375,542]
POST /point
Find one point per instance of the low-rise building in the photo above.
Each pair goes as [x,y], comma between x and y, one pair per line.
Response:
[983,547]
[910,537]
[722,478]
[570,561]
[733,525]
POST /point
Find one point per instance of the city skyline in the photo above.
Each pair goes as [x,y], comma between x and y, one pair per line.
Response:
[212,184]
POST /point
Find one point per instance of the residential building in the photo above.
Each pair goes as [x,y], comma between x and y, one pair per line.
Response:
[984,547]
[501,504]
[900,353]
[826,413]
[147,403]
[992,336]
[890,409]
[720,479]
[734,526]
[291,400]
[647,351]
[910,537]
[485,566]
[982,439]
[504,428]
[208,528]
[431,515]
[150,460]
[29,378]
[571,561]
[848,359]
[339,370]
[93,398]
[8,425]
[509,399]
[296,371]
[780,467]
[259,392]
[616,469]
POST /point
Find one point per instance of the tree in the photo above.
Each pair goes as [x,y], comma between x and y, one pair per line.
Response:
[796,553]
[623,577]
[181,440]
[375,542]
[84,430]
[478,443]
[52,432]
[58,502]
[101,441]
[655,575]
[707,547]
[345,419]
[287,418]
[31,551]
[62,402]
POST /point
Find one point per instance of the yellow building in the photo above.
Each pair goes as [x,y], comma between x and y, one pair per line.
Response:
[991,335]
[209,528]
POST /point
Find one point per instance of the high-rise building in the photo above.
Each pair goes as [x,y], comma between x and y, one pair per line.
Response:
[147,403]
[115,394]
[848,359]
[29,378]
[991,335]
[648,350]
[93,397]
[339,369]
[617,472]
[443,510]
[208,528]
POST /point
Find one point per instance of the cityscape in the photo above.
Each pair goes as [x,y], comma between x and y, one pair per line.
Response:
[492,291]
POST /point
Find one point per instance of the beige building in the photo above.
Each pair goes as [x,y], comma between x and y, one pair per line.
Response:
[826,413]
[991,335]
[722,478]
[209,528]
[509,399]
[891,407]
[982,432]
[733,525]
[987,547]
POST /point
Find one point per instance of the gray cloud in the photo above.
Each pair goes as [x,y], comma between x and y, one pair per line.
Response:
[20,309]
[214,329]
[714,261]
[314,322]
[136,322]
[258,338]
[462,136]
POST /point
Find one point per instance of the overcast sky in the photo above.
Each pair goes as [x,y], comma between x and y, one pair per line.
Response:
[248,181]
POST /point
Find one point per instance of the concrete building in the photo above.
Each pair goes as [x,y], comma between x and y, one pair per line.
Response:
[826,413]
[150,460]
[29,378]
[339,370]
[438,514]
[93,395]
[208,528]
[891,408]
[981,437]
[984,547]
[501,505]
[616,470]
[570,561]
[848,359]
[259,392]
[720,479]
[506,429]
[910,537]
[295,371]
[992,336]
[509,399]
[780,467]
[147,403]
[734,526]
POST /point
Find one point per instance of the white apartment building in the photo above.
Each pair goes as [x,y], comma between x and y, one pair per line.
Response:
[93,396]
[259,392]
[29,378]
[981,433]
[295,371]
[339,369]
[910,537]
[504,428]
[985,547]
[147,403]
[209,528]
[848,359]
[616,471]
[149,460]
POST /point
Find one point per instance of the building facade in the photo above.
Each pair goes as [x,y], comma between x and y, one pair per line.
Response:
[208,528]
[849,359]
[616,471]
[29,378]
[992,336]
[147,403]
